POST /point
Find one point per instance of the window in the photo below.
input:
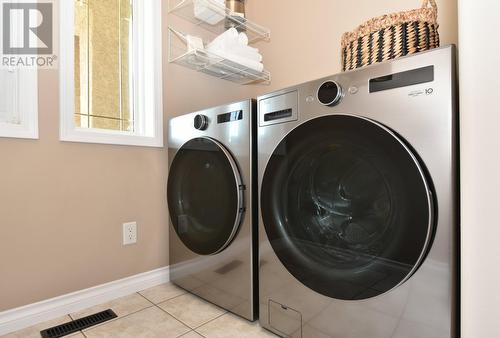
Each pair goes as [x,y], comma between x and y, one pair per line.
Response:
[18,94]
[18,103]
[111,72]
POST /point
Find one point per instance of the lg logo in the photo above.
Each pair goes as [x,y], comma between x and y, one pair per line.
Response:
[421,92]
[27,28]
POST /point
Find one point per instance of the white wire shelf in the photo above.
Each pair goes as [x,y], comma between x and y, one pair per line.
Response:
[217,14]
[210,63]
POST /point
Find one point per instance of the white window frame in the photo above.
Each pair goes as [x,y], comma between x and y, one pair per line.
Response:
[147,85]
[26,101]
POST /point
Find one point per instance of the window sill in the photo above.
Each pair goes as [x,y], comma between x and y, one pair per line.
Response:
[18,131]
[100,136]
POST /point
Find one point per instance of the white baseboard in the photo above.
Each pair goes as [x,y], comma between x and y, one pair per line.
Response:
[32,314]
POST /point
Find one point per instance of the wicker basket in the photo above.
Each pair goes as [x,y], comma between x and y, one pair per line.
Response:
[391,36]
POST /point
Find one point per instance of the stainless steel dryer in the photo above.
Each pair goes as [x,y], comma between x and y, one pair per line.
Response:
[358,203]
[210,199]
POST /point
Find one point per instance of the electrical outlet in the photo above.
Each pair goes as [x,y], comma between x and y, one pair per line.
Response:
[129,233]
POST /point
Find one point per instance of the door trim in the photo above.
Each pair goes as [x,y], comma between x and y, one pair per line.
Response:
[240,189]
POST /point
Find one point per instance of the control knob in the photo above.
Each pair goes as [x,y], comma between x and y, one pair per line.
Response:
[329,93]
[201,122]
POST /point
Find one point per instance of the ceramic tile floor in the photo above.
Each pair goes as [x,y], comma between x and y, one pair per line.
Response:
[161,312]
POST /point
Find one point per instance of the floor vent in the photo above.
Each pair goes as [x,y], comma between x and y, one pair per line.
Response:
[78,325]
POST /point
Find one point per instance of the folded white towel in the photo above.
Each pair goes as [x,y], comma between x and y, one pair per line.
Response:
[243,39]
[233,46]
[257,66]
[194,42]
[248,54]
[204,11]
[243,51]
[234,43]
[229,35]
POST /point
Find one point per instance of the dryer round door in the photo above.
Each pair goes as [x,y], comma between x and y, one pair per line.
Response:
[205,196]
[346,207]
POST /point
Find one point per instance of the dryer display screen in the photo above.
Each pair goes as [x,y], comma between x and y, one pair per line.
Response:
[230,117]
[403,79]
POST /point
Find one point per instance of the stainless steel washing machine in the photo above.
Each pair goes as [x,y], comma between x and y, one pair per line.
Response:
[211,204]
[358,203]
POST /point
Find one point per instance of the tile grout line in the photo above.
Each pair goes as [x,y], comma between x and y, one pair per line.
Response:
[231,313]
[73,319]
[211,320]
[140,294]
[117,318]
[193,329]
[177,319]
[163,301]
[196,333]
[184,334]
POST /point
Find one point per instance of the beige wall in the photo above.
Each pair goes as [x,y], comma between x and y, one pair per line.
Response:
[480,167]
[62,204]
[305,42]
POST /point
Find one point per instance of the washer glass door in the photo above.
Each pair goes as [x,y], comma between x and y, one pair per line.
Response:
[346,207]
[205,196]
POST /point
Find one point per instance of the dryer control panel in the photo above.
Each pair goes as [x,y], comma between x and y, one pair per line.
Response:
[230,117]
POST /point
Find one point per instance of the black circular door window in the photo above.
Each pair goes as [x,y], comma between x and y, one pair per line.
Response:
[204,197]
[346,207]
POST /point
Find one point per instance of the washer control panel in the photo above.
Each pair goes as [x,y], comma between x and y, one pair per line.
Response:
[279,109]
